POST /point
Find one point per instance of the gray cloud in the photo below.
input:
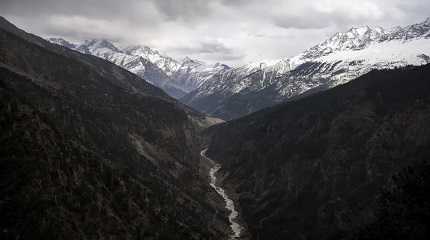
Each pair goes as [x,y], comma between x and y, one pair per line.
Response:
[212,50]
[218,30]
[299,22]
[215,47]
[128,9]
[183,10]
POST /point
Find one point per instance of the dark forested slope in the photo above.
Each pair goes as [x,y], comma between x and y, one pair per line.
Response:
[90,151]
[322,167]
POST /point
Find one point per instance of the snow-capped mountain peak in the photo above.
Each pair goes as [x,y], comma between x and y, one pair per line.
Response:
[97,44]
[141,50]
[277,66]
[166,63]
[341,58]
[175,77]
[358,38]
[193,73]
[62,42]
[192,62]
[418,30]
[355,38]
[221,65]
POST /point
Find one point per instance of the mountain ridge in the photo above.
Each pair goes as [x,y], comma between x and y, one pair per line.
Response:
[175,77]
[337,60]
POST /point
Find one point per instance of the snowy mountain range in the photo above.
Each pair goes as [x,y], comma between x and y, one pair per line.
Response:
[177,78]
[339,59]
[229,93]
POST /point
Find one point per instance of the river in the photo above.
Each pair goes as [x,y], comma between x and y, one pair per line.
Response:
[229,203]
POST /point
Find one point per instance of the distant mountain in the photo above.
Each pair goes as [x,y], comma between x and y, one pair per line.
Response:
[62,42]
[339,59]
[137,64]
[177,78]
[191,74]
[351,162]
[165,63]
[90,150]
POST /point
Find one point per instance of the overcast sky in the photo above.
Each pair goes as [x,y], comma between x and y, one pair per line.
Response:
[228,31]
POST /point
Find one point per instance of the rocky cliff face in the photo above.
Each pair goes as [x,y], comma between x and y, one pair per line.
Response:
[315,168]
[339,59]
[92,151]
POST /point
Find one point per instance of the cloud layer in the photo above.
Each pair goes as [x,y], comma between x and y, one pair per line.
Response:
[230,31]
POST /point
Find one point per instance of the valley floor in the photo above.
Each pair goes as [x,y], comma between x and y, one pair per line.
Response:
[236,228]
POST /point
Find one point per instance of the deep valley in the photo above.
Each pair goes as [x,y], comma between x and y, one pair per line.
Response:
[105,140]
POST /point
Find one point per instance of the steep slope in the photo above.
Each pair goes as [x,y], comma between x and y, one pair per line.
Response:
[315,168]
[191,74]
[341,58]
[92,151]
[221,94]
